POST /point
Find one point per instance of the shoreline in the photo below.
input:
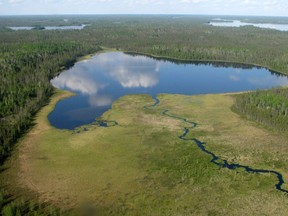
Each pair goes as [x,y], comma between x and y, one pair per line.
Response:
[203,61]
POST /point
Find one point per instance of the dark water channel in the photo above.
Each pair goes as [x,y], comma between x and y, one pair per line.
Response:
[214,158]
[106,77]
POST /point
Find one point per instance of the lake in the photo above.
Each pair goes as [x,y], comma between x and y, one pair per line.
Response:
[104,78]
[237,23]
[80,27]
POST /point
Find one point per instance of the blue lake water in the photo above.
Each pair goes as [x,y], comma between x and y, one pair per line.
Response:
[106,77]
[80,27]
[237,23]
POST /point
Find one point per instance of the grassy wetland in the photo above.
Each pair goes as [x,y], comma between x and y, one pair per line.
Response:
[139,166]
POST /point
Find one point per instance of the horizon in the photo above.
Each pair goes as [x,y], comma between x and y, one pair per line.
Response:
[123,14]
[274,8]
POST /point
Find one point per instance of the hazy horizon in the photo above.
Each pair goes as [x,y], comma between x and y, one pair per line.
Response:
[123,14]
[145,7]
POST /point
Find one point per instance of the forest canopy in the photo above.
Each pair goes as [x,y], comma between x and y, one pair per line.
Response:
[30,58]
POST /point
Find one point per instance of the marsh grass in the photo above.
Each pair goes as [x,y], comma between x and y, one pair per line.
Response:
[141,167]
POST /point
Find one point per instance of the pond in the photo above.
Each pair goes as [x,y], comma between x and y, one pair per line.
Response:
[104,78]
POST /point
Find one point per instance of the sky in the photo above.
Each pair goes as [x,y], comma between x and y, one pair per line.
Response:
[193,7]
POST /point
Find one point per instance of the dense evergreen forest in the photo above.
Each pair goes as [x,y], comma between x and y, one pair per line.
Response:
[25,73]
[269,107]
[29,59]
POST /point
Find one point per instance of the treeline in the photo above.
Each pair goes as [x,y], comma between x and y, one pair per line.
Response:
[182,37]
[268,107]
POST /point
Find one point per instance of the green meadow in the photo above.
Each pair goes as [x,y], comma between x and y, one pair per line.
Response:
[141,167]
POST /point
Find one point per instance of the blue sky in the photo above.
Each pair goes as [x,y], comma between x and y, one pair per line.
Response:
[217,7]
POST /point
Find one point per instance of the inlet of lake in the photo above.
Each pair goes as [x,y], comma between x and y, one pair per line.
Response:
[104,78]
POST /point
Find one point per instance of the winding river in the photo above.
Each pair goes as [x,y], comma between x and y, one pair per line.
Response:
[215,159]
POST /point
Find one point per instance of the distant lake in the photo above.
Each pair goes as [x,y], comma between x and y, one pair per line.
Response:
[238,23]
[104,78]
[48,27]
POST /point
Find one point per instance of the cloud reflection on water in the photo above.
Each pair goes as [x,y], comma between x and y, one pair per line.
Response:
[90,77]
[280,81]
[98,101]
[234,78]
[76,81]
[131,73]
